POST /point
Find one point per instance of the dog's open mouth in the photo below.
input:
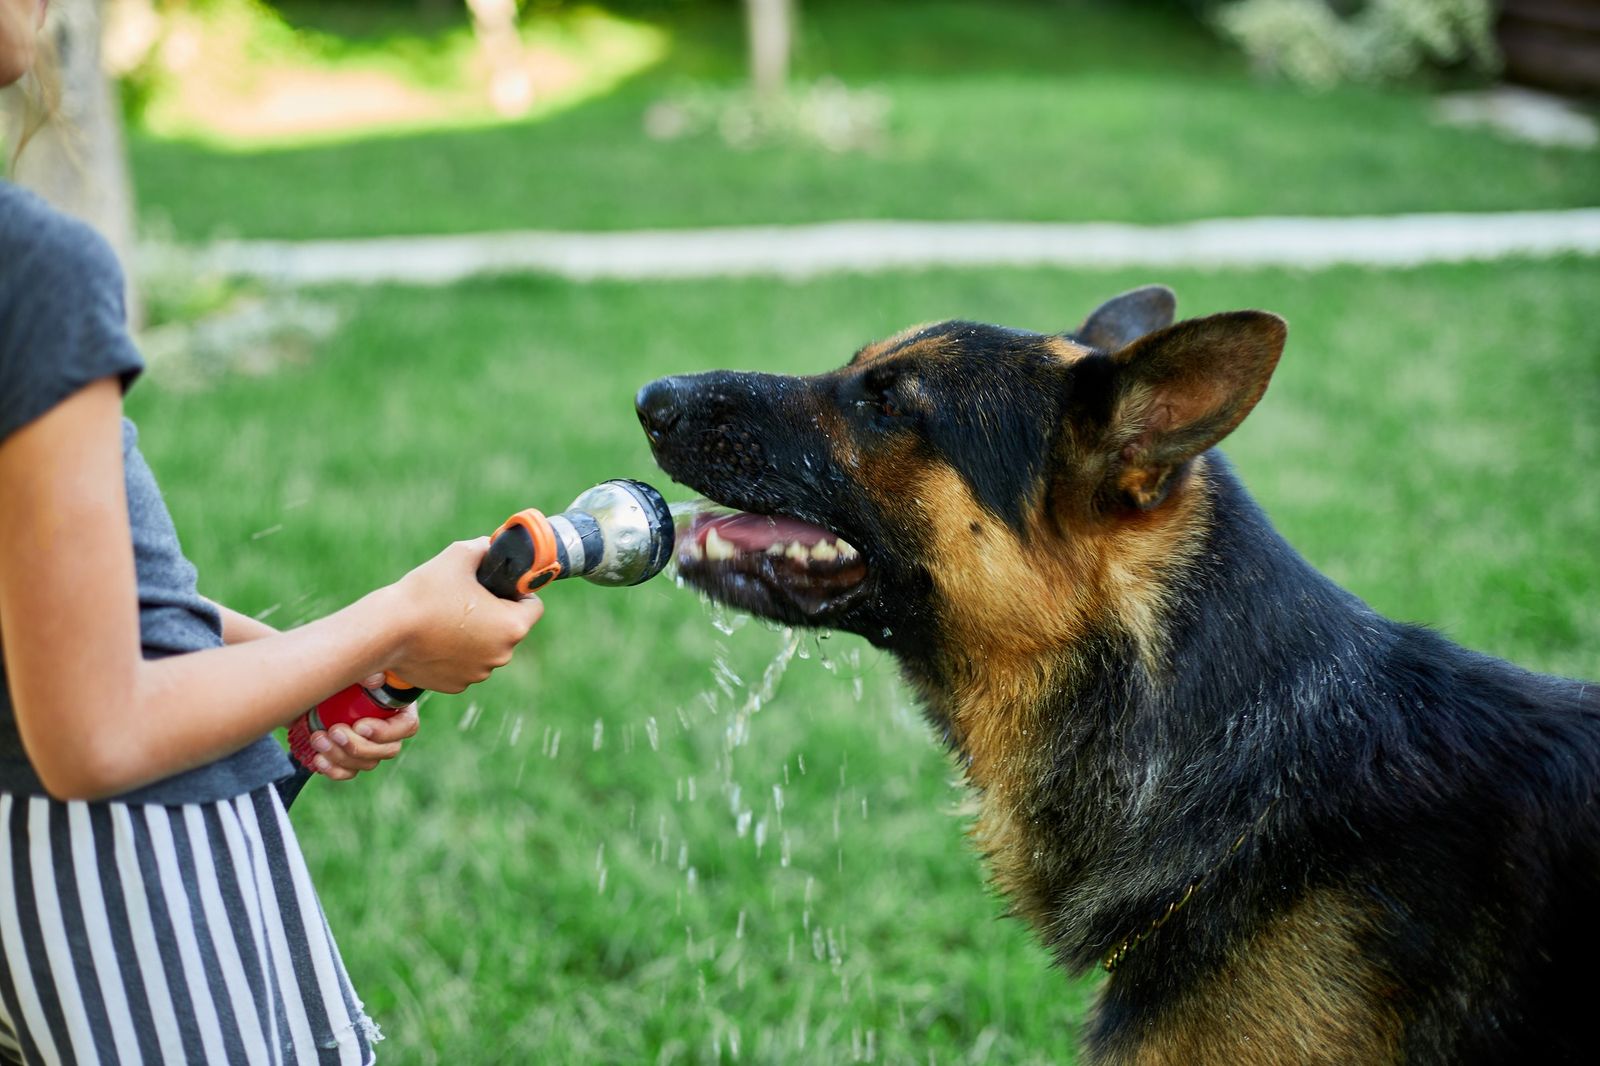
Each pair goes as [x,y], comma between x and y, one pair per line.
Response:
[775,566]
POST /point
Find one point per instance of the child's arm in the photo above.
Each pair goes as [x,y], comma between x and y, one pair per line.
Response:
[97,719]
[345,750]
[240,628]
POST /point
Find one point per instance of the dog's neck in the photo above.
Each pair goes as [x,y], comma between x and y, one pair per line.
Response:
[1123,773]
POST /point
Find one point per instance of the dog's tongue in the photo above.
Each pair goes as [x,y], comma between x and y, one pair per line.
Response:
[758,532]
[720,532]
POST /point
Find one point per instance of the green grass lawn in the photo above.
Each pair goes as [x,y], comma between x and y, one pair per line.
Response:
[1079,110]
[561,867]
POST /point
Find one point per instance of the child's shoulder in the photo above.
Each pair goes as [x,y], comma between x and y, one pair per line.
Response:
[41,247]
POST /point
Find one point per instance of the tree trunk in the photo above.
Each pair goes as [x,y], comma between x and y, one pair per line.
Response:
[771,24]
[78,161]
[494,23]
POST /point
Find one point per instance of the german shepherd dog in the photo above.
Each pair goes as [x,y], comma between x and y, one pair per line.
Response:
[1292,830]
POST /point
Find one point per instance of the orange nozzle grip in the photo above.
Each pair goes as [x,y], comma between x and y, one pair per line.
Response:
[546,563]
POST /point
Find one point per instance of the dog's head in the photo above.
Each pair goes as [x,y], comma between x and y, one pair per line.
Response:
[960,483]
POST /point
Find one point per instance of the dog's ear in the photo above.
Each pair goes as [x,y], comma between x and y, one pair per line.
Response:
[1180,390]
[1123,319]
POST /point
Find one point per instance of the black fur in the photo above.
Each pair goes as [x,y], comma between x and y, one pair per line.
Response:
[1455,792]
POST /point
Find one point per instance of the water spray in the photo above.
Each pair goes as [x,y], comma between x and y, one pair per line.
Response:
[618,533]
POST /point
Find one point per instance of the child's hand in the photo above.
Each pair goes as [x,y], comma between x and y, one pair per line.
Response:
[459,632]
[346,750]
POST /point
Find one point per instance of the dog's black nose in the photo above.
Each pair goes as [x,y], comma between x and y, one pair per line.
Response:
[658,407]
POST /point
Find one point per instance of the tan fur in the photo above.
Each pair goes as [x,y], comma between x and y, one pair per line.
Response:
[1065,350]
[1017,608]
[1299,993]
[904,342]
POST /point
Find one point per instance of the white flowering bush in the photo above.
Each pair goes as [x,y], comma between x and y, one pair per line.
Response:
[1310,42]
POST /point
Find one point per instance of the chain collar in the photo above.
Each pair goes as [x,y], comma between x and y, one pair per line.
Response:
[1116,955]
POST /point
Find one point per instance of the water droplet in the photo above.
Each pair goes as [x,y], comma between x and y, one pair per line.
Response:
[723,674]
[469,717]
[777,798]
[599,733]
[727,620]
[653,731]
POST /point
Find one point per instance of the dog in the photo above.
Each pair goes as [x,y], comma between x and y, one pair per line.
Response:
[1291,830]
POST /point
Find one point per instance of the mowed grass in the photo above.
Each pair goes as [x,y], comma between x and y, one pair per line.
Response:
[1012,109]
[575,863]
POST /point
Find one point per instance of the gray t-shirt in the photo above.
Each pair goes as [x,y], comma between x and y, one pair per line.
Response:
[62,326]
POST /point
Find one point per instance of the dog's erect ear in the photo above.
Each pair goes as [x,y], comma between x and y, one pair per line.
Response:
[1182,389]
[1123,319]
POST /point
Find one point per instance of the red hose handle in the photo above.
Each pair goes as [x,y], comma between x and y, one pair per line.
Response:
[345,707]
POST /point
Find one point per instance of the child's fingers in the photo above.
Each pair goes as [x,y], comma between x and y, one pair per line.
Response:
[532,608]
[351,748]
[342,754]
[347,764]
[324,766]
[402,726]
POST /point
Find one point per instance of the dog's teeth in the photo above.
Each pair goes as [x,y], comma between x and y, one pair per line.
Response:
[797,552]
[846,550]
[696,552]
[824,550]
[717,548]
[775,548]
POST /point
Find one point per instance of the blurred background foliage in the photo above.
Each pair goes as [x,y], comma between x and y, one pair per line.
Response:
[244,70]
[641,116]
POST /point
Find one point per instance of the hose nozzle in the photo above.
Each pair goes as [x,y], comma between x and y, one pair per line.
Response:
[618,533]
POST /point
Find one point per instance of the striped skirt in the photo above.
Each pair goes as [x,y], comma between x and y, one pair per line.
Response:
[140,933]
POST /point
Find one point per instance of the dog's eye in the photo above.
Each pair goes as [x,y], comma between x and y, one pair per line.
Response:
[879,397]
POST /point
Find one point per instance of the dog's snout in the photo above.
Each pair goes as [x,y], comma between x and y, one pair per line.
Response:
[659,407]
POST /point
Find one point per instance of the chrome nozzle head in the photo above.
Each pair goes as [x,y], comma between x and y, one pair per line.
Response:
[635,531]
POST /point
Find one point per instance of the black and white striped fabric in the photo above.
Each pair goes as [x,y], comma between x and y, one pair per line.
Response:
[141,933]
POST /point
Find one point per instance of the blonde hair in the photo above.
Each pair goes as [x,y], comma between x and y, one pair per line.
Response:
[41,95]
